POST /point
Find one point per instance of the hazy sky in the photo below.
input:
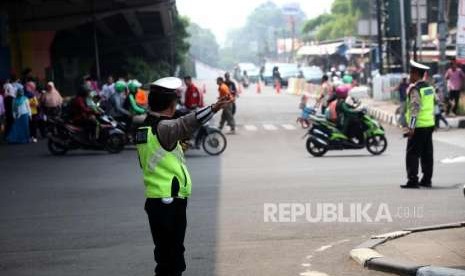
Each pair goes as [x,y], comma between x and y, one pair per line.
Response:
[222,15]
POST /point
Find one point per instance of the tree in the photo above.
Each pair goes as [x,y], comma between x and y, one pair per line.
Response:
[204,46]
[342,21]
[257,39]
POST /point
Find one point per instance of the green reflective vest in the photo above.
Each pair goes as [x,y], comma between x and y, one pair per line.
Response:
[165,172]
[425,117]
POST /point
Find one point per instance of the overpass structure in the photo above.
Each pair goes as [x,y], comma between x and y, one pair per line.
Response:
[65,38]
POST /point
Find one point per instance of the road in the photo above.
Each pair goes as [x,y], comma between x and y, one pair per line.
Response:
[82,214]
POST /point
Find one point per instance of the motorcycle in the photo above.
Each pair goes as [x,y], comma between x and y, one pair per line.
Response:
[64,136]
[323,136]
[208,138]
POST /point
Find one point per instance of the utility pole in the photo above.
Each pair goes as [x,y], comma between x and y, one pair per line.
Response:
[442,33]
[419,41]
[370,41]
[96,47]
[403,38]
[293,39]
[380,35]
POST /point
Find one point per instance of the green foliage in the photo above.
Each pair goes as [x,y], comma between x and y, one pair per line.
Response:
[181,35]
[342,21]
[258,35]
[204,46]
[313,23]
[146,71]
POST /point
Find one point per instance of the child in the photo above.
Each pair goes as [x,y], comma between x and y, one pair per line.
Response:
[439,114]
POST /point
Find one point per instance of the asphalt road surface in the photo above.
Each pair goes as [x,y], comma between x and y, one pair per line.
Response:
[82,214]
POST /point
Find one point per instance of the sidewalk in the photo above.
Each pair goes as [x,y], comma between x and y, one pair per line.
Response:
[426,251]
[385,111]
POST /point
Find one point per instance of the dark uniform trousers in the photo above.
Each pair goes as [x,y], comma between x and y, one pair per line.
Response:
[420,150]
[168,226]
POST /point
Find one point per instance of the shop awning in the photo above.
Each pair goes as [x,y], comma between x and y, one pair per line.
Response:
[358,51]
[317,50]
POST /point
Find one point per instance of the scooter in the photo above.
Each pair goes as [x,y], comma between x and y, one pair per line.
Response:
[323,136]
[64,136]
[208,138]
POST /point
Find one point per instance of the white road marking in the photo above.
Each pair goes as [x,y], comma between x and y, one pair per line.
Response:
[323,248]
[452,160]
[306,265]
[250,127]
[270,127]
[288,127]
[313,273]
[309,257]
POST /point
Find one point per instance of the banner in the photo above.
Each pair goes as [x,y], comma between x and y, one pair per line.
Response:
[461,32]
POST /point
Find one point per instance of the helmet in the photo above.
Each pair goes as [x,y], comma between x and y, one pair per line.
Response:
[120,86]
[347,79]
[133,85]
[342,91]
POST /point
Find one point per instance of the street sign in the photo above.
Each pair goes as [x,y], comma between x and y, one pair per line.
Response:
[291,9]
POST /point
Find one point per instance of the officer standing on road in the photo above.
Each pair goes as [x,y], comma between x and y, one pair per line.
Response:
[420,117]
[166,178]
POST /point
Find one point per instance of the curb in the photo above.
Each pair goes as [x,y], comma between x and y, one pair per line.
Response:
[382,116]
[391,119]
[366,255]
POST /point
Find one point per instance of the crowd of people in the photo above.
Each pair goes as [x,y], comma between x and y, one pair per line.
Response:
[24,108]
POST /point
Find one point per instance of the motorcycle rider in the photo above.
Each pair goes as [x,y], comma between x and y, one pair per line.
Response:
[133,107]
[116,104]
[348,118]
[82,115]
[168,187]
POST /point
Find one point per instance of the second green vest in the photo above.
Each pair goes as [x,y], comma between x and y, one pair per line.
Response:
[425,117]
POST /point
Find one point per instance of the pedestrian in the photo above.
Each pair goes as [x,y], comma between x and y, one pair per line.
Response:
[19,132]
[107,90]
[35,123]
[402,89]
[421,120]
[439,114]
[226,116]
[10,94]
[51,101]
[2,113]
[455,78]
[439,103]
[192,97]
[168,187]
[233,89]
[276,78]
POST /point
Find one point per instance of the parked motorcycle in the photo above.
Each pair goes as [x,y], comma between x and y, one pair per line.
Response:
[208,138]
[64,136]
[323,135]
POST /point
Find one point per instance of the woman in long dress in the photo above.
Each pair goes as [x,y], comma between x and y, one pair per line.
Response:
[19,133]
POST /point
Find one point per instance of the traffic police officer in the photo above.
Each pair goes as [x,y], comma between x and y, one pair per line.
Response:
[420,116]
[166,178]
